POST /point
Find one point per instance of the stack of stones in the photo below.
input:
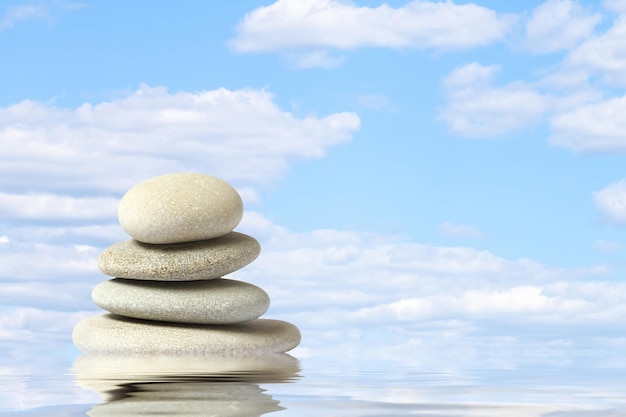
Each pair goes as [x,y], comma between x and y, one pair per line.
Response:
[170,296]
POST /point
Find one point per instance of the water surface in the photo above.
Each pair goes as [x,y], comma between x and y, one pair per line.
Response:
[285,386]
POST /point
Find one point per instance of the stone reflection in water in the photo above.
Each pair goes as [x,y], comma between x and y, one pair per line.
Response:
[183,385]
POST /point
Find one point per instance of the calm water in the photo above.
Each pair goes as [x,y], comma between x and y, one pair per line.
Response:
[281,384]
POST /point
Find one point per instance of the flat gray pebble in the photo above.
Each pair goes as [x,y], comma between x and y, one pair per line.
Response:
[216,301]
[111,334]
[189,261]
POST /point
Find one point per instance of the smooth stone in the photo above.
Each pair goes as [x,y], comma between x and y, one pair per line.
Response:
[204,259]
[180,207]
[217,301]
[111,334]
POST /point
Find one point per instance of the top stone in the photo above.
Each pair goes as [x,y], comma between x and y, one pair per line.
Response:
[182,207]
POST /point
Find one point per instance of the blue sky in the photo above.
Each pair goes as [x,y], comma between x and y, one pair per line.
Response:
[424,177]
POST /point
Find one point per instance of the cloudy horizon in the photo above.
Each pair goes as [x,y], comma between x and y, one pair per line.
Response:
[445,188]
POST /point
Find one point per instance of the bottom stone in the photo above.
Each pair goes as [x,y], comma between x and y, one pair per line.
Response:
[111,334]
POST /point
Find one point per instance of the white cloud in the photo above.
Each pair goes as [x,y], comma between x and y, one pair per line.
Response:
[21,260]
[53,267]
[611,201]
[559,24]
[525,299]
[381,268]
[583,112]
[477,109]
[14,15]
[29,321]
[461,230]
[50,206]
[343,289]
[65,294]
[322,24]
[596,127]
[473,74]
[513,301]
[363,294]
[93,234]
[566,79]
[618,6]
[604,54]
[241,136]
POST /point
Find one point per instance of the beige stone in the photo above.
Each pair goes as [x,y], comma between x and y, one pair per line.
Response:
[217,301]
[205,259]
[111,334]
[180,207]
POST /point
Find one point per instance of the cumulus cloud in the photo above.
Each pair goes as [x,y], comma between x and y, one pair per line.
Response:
[320,25]
[589,105]
[374,269]
[604,54]
[611,201]
[51,206]
[476,108]
[47,261]
[380,268]
[28,321]
[584,115]
[595,127]
[65,169]
[386,296]
[461,230]
[101,233]
[618,6]
[492,303]
[241,136]
[559,24]
[342,288]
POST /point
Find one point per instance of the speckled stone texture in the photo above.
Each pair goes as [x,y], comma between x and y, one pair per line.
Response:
[205,259]
[111,334]
[180,207]
[217,301]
